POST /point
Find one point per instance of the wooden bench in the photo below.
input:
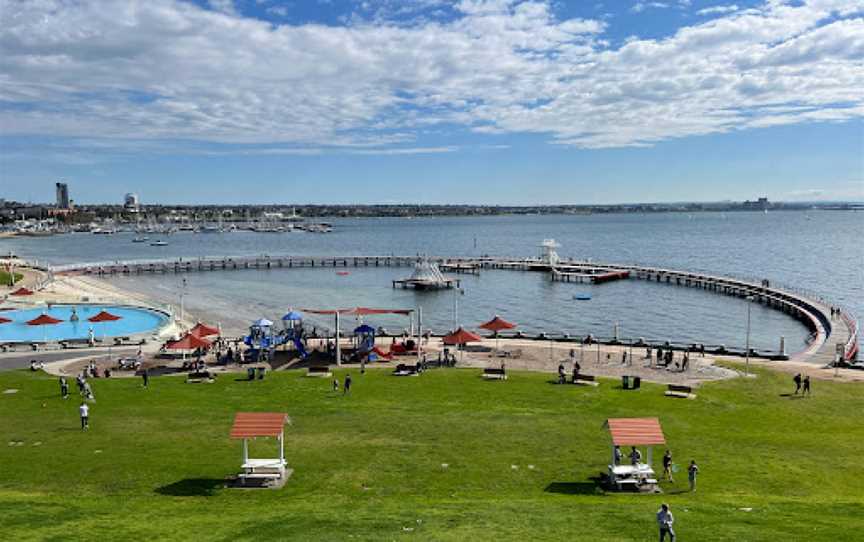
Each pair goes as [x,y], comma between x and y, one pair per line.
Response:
[320,371]
[679,391]
[494,373]
[71,343]
[129,341]
[585,380]
[406,370]
[199,377]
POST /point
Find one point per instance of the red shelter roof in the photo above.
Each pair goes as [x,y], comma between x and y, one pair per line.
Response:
[635,431]
[188,342]
[43,320]
[203,330]
[258,424]
[22,291]
[461,336]
[497,324]
[104,316]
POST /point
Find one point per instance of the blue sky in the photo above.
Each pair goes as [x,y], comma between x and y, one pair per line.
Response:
[431,101]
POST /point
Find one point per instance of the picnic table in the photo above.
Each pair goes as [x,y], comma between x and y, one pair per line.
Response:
[632,476]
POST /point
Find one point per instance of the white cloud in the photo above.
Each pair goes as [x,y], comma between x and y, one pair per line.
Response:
[718,10]
[168,70]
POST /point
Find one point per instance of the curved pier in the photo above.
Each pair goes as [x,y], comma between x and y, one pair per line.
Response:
[831,335]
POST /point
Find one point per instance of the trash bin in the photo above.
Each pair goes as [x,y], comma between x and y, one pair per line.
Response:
[625,382]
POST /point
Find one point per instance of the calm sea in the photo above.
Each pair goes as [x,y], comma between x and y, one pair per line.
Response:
[819,251]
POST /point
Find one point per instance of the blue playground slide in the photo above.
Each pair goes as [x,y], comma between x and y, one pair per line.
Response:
[298,344]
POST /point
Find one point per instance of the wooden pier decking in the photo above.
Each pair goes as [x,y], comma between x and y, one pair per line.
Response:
[814,313]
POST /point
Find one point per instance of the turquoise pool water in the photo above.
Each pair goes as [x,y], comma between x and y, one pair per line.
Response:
[132,321]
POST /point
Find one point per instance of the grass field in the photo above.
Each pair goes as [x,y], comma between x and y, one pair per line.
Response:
[5,277]
[368,466]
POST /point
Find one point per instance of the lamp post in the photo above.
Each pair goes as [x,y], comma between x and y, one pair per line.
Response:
[456,291]
[747,346]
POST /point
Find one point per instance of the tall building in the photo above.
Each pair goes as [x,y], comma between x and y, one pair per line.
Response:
[62,196]
[131,202]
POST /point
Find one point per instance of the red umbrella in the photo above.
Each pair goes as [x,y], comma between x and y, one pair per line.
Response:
[203,330]
[22,291]
[497,324]
[461,336]
[4,320]
[187,342]
[104,316]
[43,320]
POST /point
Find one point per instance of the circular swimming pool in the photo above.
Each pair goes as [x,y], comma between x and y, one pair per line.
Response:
[74,323]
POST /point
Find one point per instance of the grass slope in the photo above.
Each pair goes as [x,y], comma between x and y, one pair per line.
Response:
[368,466]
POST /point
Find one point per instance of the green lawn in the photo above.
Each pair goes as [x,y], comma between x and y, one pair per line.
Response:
[5,277]
[369,466]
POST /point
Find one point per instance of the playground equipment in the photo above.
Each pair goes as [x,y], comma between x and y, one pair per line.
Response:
[261,339]
[364,342]
[293,322]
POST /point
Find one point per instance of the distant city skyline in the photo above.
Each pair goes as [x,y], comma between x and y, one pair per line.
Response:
[481,102]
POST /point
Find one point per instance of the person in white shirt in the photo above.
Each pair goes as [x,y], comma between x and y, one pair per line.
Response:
[665,521]
[84,410]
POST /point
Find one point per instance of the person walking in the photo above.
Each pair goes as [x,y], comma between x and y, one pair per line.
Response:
[84,411]
[347,386]
[64,387]
[692,471]
[806,385]
[797,380]
[145,376]
[335,384]
[664,522]
[667,465]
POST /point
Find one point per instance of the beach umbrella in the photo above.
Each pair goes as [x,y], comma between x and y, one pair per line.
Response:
[104,316]
[43,320]
[497,324]
[22,291]
[4,320]
[460,337]
[262,322]
[202,330]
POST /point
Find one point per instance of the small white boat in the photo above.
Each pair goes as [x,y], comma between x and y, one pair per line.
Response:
[582,297]
[159,243]
[140,239]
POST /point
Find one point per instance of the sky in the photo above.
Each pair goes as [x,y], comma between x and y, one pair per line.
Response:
[430,101]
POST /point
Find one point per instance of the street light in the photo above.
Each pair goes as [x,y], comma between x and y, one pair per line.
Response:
[747,353]
[456,307]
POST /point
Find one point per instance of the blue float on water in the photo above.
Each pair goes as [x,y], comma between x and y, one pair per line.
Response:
[582,297]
